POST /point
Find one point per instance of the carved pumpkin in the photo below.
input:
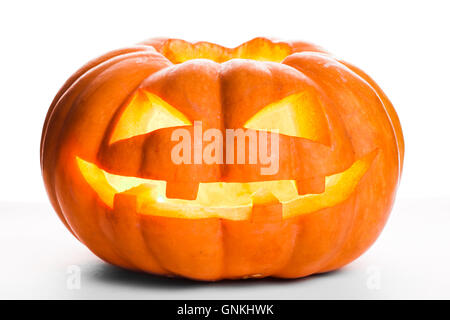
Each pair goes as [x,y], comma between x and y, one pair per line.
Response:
[106,159]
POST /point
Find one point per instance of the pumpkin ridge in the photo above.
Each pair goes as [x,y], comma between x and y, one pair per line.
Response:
[63,91]
[74,79]
[149,250]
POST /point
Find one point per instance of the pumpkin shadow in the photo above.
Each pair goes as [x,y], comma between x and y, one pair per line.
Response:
[115,275]
[111,274]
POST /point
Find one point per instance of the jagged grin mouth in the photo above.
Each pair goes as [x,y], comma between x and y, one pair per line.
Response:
[226,200]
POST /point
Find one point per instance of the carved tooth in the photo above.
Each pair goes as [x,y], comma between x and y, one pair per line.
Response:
[182,190]
[129,199]
[125,202]
[266,207]
[311,186]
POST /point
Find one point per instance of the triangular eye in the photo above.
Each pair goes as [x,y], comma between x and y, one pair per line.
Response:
[145,113]
[298,115]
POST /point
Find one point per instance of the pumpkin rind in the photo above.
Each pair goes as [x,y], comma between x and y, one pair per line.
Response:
[85,111]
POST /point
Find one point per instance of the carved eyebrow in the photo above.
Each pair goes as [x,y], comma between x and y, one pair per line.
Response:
[146,112]
[298,115]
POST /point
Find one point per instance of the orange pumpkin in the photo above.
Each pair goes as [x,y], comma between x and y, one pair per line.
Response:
[106,159]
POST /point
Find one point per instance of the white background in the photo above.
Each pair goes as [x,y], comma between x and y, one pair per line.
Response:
[403,45]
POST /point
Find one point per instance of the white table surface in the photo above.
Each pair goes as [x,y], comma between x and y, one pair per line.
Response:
[410,260]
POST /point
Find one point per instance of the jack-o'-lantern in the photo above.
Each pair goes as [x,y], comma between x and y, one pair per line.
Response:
[108,145]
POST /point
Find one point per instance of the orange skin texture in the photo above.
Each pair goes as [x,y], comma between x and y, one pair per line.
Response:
[86,109]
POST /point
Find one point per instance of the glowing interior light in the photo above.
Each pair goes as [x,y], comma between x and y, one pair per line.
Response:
[298,115]
[219,199]
[259,49]
[145,113]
